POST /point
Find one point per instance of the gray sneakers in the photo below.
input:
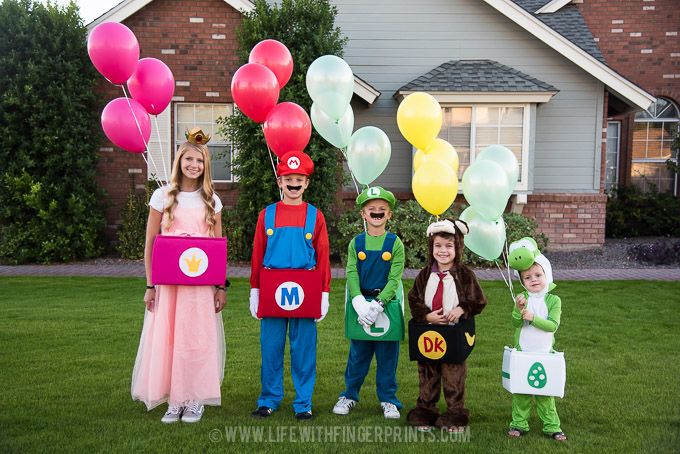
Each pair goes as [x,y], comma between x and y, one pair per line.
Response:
[192,412]
[173,414]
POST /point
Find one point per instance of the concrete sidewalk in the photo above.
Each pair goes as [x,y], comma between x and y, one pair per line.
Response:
[136,269]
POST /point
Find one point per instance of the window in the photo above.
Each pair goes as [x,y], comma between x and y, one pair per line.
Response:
[652,136]
[472,128]
[204,116]
[611,172]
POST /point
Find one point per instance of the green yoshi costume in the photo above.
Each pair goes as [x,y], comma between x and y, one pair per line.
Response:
[535,336]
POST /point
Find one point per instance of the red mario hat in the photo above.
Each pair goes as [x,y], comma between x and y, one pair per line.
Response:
[295,162]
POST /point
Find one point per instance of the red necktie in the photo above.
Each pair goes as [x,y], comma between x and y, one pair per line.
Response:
[438,299]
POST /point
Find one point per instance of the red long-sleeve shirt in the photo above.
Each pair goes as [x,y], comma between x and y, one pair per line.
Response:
[292,216]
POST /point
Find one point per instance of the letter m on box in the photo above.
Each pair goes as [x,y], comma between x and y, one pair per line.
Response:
[290,296]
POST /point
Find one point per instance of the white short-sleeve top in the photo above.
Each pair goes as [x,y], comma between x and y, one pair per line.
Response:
[159,199]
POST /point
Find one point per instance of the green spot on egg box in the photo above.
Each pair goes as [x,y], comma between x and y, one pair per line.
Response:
[537,377]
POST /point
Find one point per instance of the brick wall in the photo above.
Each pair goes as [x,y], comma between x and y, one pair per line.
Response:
[571,221]
[196,40]
[640,39]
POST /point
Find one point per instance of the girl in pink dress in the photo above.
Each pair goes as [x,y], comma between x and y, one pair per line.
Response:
[181,351]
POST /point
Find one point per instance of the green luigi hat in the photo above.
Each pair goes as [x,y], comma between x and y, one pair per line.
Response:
[376,192]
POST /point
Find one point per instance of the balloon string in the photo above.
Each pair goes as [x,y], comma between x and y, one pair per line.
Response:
[146,145]
[271,159]
[506,258]
[351,174]
[160,147]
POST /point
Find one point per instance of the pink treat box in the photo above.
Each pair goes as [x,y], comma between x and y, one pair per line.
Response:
[187,260]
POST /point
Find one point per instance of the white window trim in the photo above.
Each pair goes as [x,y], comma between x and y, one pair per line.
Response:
[178,136]
[523,184]
[618,152]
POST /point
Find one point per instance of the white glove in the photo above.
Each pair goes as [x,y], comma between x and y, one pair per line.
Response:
[324,306]
[360,305]
[374,308]
[254,302]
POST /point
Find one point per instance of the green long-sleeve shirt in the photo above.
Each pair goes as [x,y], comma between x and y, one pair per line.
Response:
[375,243]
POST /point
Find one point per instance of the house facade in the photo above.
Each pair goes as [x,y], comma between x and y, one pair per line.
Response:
[503,71]
[640,40]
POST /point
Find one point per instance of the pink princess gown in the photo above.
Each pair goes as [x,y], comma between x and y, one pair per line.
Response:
[182,350]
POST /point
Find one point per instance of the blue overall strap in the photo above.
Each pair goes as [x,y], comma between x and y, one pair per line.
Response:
[269,217]
[310,224]
[360,245]
[388,244]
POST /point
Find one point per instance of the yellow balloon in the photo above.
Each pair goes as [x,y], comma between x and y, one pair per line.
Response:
[435,186]
[419,118]
[440,150]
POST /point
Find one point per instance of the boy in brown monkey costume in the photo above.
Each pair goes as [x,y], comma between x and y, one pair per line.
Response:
[445,291]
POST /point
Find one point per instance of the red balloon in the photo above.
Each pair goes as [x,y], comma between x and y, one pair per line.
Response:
[287,128]
[152,84]
[275,56]
[255,91]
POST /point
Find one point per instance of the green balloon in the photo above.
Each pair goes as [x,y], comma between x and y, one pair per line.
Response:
[330,84]
[337,133]
[368,153]
[485,186]
[486,238]
[505,158]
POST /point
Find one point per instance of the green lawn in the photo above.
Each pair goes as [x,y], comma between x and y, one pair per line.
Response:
[68,346]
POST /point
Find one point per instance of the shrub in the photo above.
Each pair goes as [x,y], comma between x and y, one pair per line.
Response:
[132,231]
[49,123]
[240,244]
[632,213]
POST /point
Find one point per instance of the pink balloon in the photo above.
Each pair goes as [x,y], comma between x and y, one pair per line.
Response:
[114,51]
[287,128]
[275,56]
[255,91]
[152,84]
[120,122]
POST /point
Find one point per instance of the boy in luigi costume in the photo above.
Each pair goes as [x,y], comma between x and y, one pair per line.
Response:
[374,308]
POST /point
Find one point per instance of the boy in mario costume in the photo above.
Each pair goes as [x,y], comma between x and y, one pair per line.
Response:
[290,234]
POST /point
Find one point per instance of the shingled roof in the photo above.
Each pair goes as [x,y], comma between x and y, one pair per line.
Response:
[568,22]
[477,76]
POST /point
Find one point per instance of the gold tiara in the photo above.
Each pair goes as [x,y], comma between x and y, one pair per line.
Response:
[197,136]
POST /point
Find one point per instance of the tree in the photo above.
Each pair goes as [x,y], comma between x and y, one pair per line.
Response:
[307,28]
[49,200]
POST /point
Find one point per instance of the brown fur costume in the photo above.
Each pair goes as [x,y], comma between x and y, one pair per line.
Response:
[431,376]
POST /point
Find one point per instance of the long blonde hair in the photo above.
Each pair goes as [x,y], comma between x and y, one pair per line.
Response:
[205,183]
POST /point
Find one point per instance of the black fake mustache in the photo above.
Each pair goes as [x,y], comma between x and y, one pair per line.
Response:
[294,188]
[377,215]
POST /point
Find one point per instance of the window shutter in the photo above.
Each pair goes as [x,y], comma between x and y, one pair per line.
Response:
[159,151]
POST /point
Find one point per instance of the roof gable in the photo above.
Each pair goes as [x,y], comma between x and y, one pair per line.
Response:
[615,83]
[127,8]
[477,76]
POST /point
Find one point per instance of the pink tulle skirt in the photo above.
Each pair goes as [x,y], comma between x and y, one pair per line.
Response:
[182,350]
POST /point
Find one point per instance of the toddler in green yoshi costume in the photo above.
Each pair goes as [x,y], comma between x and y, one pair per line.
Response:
[536,317]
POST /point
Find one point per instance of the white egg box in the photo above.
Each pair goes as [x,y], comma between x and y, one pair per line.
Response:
[539,374]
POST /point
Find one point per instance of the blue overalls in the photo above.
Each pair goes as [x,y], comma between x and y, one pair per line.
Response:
[288,247]
[373,273]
